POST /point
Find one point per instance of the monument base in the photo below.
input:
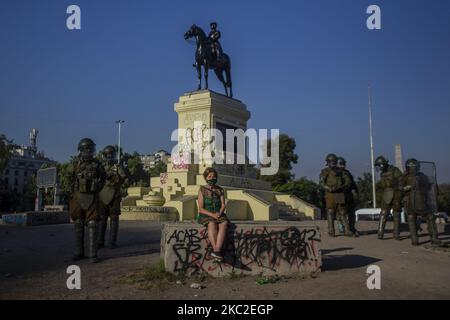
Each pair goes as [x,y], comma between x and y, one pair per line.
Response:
[148,213]
[247,197]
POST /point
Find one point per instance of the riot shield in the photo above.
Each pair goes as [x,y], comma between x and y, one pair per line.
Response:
[429,170]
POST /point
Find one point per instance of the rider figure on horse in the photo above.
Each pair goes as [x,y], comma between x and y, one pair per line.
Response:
[214,36]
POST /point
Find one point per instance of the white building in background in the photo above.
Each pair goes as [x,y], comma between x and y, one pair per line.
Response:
[25,161]
[149,161]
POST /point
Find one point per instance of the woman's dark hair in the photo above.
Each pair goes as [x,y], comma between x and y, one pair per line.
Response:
[208,171]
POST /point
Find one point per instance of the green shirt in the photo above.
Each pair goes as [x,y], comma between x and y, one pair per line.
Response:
[211,200]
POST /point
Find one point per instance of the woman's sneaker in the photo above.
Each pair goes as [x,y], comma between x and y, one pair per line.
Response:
[217,256]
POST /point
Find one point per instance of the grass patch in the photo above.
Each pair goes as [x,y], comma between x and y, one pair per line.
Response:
[154,276]
[268,279]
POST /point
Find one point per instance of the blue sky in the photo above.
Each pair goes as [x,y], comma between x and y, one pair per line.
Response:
[300,66]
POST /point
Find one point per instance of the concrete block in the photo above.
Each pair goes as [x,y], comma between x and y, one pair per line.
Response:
[258,248]
[36,218]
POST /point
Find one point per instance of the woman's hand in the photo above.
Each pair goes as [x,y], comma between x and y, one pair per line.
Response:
[217,215]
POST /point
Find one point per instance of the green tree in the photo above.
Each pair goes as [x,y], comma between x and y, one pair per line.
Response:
[364,185]
[304,189]
[65,180]
[8,198]
[26,200]
[160,167]
[137,176]
[287,158]
[5,151]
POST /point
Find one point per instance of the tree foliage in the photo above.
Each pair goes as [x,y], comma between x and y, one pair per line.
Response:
[138,177]
[160,167]
[304,189]
[287,158]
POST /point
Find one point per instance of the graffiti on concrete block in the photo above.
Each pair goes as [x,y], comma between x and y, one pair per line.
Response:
[268,249]
[245,249]
[187,246]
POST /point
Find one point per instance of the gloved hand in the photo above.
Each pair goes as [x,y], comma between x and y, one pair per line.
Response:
[407,188]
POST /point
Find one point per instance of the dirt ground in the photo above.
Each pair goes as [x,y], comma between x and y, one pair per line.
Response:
[33,263]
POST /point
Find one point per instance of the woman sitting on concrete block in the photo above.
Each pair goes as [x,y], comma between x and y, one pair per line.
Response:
[211,208]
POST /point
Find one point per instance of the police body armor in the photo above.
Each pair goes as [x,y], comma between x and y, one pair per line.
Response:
[417,199]
[114,179]
[349,196]
[88,182]
[333,179]
[390,183]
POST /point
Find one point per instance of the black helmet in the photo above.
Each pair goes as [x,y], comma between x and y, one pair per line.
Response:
[331,159]
[213,25]
[341,162]
[86,142]
[381,162]
[86,148]
[109,153]
[412,164]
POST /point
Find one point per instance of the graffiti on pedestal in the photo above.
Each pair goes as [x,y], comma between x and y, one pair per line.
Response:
[245,249]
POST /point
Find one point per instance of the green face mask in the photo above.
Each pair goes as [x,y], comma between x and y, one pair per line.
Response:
[212,182]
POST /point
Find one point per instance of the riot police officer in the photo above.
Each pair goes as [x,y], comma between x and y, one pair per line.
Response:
[350,194]
[416,187]
[88,176]
[335,182]
[391,195]
[110,197]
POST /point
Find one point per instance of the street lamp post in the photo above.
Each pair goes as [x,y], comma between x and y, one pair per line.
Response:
[119,122]
[374,199]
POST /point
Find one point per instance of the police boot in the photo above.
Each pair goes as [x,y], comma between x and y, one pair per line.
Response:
[330,218]
[92,226]
[397,225]
[101,232]
[382,225]
[345,223]
[413,230]
[79,240]
[113,231]
[432,230]
[352,222]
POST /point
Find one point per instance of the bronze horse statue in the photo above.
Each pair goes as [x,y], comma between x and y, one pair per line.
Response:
[205,57]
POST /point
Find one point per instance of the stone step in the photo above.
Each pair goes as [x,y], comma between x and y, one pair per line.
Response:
[289,218]
[289,210]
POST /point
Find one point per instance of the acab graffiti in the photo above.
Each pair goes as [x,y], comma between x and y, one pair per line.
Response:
[246,249]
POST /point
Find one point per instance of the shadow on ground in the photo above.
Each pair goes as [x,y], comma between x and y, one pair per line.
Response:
[353,261]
